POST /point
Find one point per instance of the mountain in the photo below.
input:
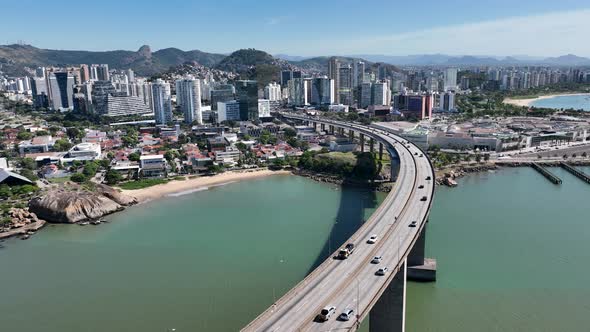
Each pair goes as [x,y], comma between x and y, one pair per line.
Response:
[568,60]
[291,57]
[14,58]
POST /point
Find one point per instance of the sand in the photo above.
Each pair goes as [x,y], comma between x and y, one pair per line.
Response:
[529,101]
[179,187]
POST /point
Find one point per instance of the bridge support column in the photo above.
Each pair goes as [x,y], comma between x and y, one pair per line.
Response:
[371,145]
[362,139]
[315,126]
[380,151]
[323,127]
[351,134]
[389,313]
[419,267]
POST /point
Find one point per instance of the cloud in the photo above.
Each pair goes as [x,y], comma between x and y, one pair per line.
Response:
[276,20]
[546,34]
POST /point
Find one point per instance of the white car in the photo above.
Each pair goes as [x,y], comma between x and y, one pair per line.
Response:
[326,313]
[376,260]
[346,315]
[372,239]
[382,271]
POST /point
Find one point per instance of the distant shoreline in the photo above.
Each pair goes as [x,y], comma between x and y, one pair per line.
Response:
[177,188]
[528,101]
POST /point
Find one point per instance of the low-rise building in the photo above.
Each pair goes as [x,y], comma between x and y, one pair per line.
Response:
[152,166]
[36,145]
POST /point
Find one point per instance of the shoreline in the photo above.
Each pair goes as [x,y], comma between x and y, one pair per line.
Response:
[528,101]
[177,188]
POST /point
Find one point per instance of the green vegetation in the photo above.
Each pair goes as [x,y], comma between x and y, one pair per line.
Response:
[362,166]
[113,177]
[143,183]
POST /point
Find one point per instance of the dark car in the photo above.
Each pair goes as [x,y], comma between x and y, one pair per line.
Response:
[423,199]
[412,224]
[421,186]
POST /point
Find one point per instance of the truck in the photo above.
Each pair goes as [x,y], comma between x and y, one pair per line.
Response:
[346,251]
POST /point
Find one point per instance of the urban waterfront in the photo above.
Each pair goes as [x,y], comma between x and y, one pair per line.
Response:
[510,248]
[566,102]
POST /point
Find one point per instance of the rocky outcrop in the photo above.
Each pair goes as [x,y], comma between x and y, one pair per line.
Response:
[71,203]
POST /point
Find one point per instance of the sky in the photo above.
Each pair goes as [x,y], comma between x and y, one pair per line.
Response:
[304,27]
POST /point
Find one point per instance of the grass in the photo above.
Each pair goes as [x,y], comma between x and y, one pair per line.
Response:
[344,157]
[140,184]
[59,180]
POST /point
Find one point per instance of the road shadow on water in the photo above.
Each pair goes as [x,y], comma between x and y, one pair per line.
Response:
[354,201]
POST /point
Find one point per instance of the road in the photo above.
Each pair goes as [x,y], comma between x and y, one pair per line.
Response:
[352,283]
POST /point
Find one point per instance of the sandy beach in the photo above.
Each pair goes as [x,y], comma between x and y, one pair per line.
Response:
[529,101]
[196,184]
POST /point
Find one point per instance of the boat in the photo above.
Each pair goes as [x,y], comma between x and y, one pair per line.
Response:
[95,222]
[450,182]
[25,237]
[84,223]
[103,220]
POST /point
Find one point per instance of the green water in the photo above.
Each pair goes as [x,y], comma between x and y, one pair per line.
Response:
[512,251]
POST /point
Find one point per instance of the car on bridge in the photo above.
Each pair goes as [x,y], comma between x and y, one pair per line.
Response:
[421,186]
[325,313]
[412,224]
[423,199]
[382,271]
[346,251]
[346,315]
[372,239]
[376,260]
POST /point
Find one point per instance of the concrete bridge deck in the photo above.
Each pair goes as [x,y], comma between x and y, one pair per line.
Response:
[352,283]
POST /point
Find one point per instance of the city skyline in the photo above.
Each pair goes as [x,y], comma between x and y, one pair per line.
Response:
[506,29]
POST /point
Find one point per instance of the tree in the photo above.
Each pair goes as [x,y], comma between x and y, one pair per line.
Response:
[478,158]
[113,177]
[62,144]
[24,135]
[78,177]
[73,133]
[277,163]
[28,163]
[289,132]
[486,157]
[134,156]
[29,174]
[584,154]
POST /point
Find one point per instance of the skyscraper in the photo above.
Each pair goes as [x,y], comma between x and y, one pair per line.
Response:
[322,91]
[298,92]
[84,73]
[221,93]
[188,96]
[61,90]
[162,102]
[247,96]
[450,79]
[100,96]
[334,74]
[99,72]
[345,88]
[272,92]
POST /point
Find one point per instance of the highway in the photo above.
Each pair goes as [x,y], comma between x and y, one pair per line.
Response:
[352,283]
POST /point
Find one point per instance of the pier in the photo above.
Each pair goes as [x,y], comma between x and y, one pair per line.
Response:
[579,174]
[550,176]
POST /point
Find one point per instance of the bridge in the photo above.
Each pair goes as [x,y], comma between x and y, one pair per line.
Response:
[352,283]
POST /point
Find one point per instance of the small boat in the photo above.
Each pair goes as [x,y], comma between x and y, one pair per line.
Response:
[30,232]
[84,223]
[95,222]
[25,237]
[103,220]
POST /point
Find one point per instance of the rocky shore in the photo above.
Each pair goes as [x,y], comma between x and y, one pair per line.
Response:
[21,222]
[378,185]
[456,172]
[72,203]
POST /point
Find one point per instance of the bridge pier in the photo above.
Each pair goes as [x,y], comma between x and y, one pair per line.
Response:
[389,313]
[419,267]
[380,151]
[362,139]
[371,145]
[315,126]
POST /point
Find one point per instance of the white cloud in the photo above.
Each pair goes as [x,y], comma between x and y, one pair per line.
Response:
[546,35]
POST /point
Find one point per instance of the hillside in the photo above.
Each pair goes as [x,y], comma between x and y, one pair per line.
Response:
[254,65]
[14,58]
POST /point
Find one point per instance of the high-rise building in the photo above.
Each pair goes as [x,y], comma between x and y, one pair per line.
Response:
[100,96]
[345,88]
[40,92]
[272,92]
[334,74]
[228,111]
[188,96]
[381,93]
[247,96]
[84,73]
[99,72]
[447,101]
[298,92]
[162,102]
[322,91]
[450,79]
[366,97]
[221,93]
[264,108]
[61,90]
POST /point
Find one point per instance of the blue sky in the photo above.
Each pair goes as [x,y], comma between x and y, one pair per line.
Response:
[303,27]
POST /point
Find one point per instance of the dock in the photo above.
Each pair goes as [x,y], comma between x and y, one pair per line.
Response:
[550,176]
[576,172]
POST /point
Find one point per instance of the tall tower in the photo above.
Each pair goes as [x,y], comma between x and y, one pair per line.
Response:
[188,96]
[334,74]
[162,102]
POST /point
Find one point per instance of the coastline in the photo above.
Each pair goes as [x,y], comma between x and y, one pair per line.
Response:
[528,101]
[200,183]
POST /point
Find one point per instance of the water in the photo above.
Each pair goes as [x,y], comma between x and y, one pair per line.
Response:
[576,102]
[512,253]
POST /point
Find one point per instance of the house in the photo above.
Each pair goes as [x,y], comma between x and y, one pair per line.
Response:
[37,144]
[13,179]
[152,166]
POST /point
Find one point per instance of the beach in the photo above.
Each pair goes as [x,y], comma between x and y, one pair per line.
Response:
[176,187]
[529,101]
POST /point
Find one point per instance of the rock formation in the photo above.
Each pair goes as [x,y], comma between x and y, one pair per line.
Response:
[72,203]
